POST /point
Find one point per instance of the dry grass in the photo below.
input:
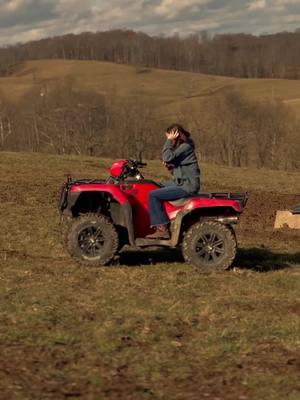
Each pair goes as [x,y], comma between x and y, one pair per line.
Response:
[151,328]
[166,91]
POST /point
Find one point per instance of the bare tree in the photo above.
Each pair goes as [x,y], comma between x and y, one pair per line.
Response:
[6,124]
[240,55]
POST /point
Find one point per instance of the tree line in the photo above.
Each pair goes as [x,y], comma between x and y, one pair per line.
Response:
[235,132]
[238,55]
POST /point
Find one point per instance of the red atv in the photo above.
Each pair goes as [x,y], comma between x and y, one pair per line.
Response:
[108,214]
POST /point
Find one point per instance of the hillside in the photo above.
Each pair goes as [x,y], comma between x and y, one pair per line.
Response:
[235,55]
[152,327]
[167,91]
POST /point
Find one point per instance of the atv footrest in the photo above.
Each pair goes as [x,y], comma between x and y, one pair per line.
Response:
[153,242]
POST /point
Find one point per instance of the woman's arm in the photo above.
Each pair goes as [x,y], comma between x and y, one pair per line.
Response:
[170,154]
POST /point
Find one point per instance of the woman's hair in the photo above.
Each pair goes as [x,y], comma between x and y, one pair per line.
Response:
[184,136]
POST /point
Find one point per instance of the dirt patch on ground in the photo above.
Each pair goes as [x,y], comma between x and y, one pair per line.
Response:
[261,209]
[32,373]
[257,221]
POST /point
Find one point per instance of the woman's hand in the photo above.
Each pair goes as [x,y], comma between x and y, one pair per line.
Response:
[172,135]
[169,166]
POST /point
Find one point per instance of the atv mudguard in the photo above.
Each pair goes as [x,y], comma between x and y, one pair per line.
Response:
[121,210]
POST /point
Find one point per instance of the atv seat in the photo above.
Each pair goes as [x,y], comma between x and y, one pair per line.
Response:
[185,200]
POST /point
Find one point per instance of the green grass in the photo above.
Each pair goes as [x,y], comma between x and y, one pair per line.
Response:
[151,327]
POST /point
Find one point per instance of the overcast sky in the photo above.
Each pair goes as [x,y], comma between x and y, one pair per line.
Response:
[23,20]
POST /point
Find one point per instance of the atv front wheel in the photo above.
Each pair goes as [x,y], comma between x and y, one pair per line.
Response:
[92,239]
[209,246]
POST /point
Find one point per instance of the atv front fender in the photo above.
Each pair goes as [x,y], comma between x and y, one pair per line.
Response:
[112,190]
[120,207]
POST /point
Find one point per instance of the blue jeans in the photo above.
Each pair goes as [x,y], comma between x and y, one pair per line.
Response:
[157,212]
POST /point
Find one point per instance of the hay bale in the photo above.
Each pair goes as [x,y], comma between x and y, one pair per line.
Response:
[285,219]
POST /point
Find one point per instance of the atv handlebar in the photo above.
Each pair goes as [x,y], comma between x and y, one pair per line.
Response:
[136,164]
[140,164]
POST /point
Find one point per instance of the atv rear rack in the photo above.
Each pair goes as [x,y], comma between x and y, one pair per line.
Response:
[242,198]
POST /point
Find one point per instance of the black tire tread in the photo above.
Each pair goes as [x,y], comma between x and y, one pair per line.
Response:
[189,256]
[71,247]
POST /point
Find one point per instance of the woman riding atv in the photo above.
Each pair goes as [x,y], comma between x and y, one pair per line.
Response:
[179,157]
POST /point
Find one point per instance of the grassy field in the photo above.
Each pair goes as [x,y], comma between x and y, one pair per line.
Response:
[166,91]
[151,327]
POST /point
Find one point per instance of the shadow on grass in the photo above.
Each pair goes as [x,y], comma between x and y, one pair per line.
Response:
[255,259]
[133,258]
[264,260]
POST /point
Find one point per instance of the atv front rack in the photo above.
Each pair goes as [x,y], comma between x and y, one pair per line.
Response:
[63,196]
[87,182]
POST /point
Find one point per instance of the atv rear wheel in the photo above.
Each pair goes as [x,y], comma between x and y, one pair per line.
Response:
[209,246]
[92,239]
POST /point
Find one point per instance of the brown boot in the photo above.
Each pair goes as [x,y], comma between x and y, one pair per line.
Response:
[161,232]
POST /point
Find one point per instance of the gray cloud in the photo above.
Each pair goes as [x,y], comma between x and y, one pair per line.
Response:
[22,20]
[24,12]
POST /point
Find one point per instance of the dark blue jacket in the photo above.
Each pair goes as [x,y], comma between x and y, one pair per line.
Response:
[185,168]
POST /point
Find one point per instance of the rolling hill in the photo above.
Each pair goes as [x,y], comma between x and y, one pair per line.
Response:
[165,90]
